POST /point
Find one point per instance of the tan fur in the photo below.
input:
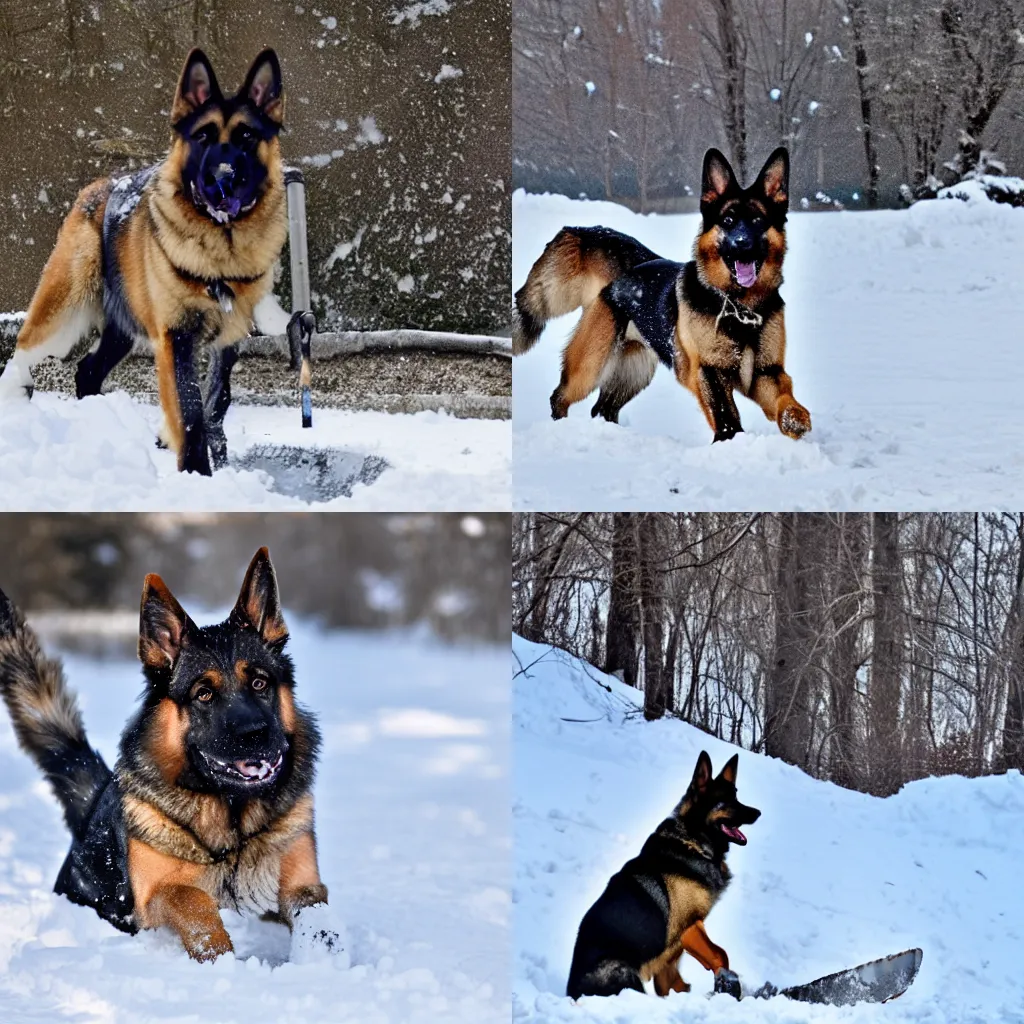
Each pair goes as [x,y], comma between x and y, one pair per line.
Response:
[300,884]
[169,893]
[286,703]
[563,279]
[264,864]
[689,902]
[35,691]
[167,739]
[584,358]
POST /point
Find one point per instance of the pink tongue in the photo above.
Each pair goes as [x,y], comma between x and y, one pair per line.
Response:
[734,833]
[746,273]
[250,769]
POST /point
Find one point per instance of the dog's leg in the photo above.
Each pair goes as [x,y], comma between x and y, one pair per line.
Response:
[194,916]
[184,430]
[716,400]
[44,333]
[633,371]
[584,357]
[300,884]
[772,389]
[695,941]
[668,979]
[167,895]
[218,398]
[94,367]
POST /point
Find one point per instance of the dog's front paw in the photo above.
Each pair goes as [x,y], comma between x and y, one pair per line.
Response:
[795,420]
[316,936]
[728,983]
[16,380]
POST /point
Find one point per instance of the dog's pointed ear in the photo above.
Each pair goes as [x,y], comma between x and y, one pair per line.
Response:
[717,179]
[197,84]
[729,771]
[701,774]
[263,86]
[258,606]
[163,625]
[773,181]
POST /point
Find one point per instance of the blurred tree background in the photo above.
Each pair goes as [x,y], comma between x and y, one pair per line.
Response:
[451,572]
[879,101]
[397,112]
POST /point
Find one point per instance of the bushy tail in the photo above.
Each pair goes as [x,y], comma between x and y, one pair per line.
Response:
[46,718]
[575,265]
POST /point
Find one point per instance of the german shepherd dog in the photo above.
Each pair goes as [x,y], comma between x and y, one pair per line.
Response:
[717,322]
[653,910]
[209,804]
[178,253]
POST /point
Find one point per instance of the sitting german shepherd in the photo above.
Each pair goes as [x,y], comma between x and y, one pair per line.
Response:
[179,253]
[717,322]
[210,803]
[653,910]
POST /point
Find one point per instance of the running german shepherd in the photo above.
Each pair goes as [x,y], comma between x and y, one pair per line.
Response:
[210,802]
[178,253]
[717,322]
[653,910]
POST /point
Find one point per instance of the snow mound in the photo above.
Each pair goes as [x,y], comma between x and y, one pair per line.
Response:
[415,860]
[99,454]
[830,878]
[901,328]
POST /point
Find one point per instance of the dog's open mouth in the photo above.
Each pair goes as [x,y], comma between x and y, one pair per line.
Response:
[733,834]
[746,273]
[225,211]
[250,770]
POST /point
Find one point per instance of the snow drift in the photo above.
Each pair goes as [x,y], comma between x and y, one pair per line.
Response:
[903,342]
[830,878]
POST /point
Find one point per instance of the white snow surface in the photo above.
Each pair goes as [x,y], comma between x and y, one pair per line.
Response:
[904,332]
[829,879]
[413,841]
[98,454]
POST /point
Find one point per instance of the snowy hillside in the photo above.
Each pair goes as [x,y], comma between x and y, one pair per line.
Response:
[412,825]
[904,336]
[99,454]
[830,878]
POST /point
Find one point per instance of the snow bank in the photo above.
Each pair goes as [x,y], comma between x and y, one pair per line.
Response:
[412,827]
[99,454]
[830,878]
[903,331]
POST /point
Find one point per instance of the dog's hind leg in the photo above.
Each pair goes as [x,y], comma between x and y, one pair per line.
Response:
[584,358]
[626,375]
[94,366]
[66,303]
[668,979]
[217,401]
[608,978]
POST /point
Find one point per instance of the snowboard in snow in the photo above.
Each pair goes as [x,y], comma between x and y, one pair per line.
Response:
[874,982]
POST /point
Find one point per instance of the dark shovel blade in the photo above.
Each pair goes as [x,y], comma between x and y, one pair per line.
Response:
[874,982]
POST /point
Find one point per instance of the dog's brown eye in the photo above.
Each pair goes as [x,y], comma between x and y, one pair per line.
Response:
[259,683]
[729,221]
[204,694]
[206,136]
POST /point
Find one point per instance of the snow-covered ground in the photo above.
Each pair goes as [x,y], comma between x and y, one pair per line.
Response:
[99,454]
[413,836]
[830,878]
[904,333]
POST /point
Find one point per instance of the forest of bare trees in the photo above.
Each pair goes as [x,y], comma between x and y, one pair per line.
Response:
[879,101]
[866,648]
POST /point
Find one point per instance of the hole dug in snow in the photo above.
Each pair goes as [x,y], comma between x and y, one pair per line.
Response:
[312,474]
